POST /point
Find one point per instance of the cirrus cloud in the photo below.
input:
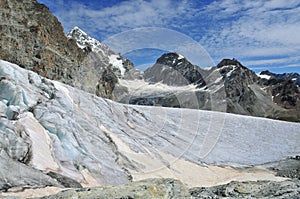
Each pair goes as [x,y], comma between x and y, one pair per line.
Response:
[247,30]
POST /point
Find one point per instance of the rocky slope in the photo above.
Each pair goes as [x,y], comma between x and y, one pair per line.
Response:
[260,189]
[34,39]
[121,67]
[55,135]
[168,188]
[284,89]
[102,69]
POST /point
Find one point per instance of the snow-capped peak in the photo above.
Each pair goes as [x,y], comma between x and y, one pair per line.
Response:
[84,41]
[88,43]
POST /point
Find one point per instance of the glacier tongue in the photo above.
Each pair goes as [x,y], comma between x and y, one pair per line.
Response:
[95,139]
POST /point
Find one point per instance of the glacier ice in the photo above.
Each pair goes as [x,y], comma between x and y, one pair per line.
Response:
[116,142]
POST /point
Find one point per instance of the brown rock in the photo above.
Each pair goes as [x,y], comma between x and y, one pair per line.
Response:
[34,39]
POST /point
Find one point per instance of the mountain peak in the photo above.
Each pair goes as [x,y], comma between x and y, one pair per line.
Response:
[174,69]
[120,65]
[227,62]
[84,41]
[171,59]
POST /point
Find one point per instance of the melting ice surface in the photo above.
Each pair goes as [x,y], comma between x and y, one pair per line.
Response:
[113,141]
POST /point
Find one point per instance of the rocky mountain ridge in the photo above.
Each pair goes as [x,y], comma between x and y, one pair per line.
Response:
[103,68]
[295,77]
[243,91]
[122,67]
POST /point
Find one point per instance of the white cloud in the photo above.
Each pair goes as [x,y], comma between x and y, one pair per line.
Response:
[271,61]
[244,29]
[278,67]
[123,16]
[281,4]
[251,29]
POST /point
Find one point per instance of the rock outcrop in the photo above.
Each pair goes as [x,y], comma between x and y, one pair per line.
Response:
[168,188]
[34,39]
[260,189]
[102,68]
[147,189]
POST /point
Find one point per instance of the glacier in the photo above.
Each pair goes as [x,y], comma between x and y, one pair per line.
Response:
[47,126]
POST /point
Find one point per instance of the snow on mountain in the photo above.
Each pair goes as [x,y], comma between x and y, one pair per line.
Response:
[264,76]
[180,56]
[174,70]
[295,77]
[84,41]
[90,139]
[117,62]
[88,43]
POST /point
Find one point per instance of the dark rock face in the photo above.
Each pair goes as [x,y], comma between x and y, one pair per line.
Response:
[284,89]
[101,61]
[248,94]
[288,168]
[228,62]
[107,83]
[34,39]
[173,69]
[237,79]
[285,93]
[64,181]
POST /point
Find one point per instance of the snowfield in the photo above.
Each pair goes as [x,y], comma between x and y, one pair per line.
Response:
[100,142]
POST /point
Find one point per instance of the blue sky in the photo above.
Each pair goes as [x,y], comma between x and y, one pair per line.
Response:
[262,34]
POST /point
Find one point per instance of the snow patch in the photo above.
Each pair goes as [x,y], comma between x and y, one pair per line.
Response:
[42,158]
[208,68]
[116,61]
[264,76]
[59,86]
[140,86]
[180,56]
[90,181]
[230,72]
